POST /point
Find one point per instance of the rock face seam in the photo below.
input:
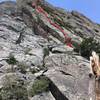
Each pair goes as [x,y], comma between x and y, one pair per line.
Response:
[56,92]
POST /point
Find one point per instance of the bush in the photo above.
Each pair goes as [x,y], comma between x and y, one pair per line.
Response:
[46,52]
[34,70]
[40,85]
[11,60]
[87,46]
[98,24]
[16,93]
[13,90]
[22,66]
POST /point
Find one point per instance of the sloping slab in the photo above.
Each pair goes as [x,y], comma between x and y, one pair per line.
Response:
[70,77]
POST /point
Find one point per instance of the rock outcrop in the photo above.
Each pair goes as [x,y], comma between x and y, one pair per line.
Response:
[38,41]
[8,7]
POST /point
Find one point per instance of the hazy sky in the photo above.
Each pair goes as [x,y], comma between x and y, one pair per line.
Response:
[90,8]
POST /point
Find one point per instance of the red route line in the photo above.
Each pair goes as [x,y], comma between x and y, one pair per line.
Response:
[67,39]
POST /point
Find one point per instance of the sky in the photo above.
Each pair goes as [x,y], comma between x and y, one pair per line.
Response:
[90,8]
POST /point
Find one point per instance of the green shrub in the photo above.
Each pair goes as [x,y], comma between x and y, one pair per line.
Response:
[16,93]
[13,90]
[46,52]
[22,67]
[98,24]
[11,60]
[33,70]
[87,46]
[40,85]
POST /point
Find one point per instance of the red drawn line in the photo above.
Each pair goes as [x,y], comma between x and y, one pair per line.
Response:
[67,39]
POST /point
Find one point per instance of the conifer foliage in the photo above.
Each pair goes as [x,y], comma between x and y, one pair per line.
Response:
[87,46]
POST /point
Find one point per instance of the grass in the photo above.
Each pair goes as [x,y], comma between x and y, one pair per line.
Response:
[22,67]
[11,61]
[40,85]
[13,90]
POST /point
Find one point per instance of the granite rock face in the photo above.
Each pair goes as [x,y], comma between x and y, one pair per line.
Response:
[73,84]
[8,7]
[31,46]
